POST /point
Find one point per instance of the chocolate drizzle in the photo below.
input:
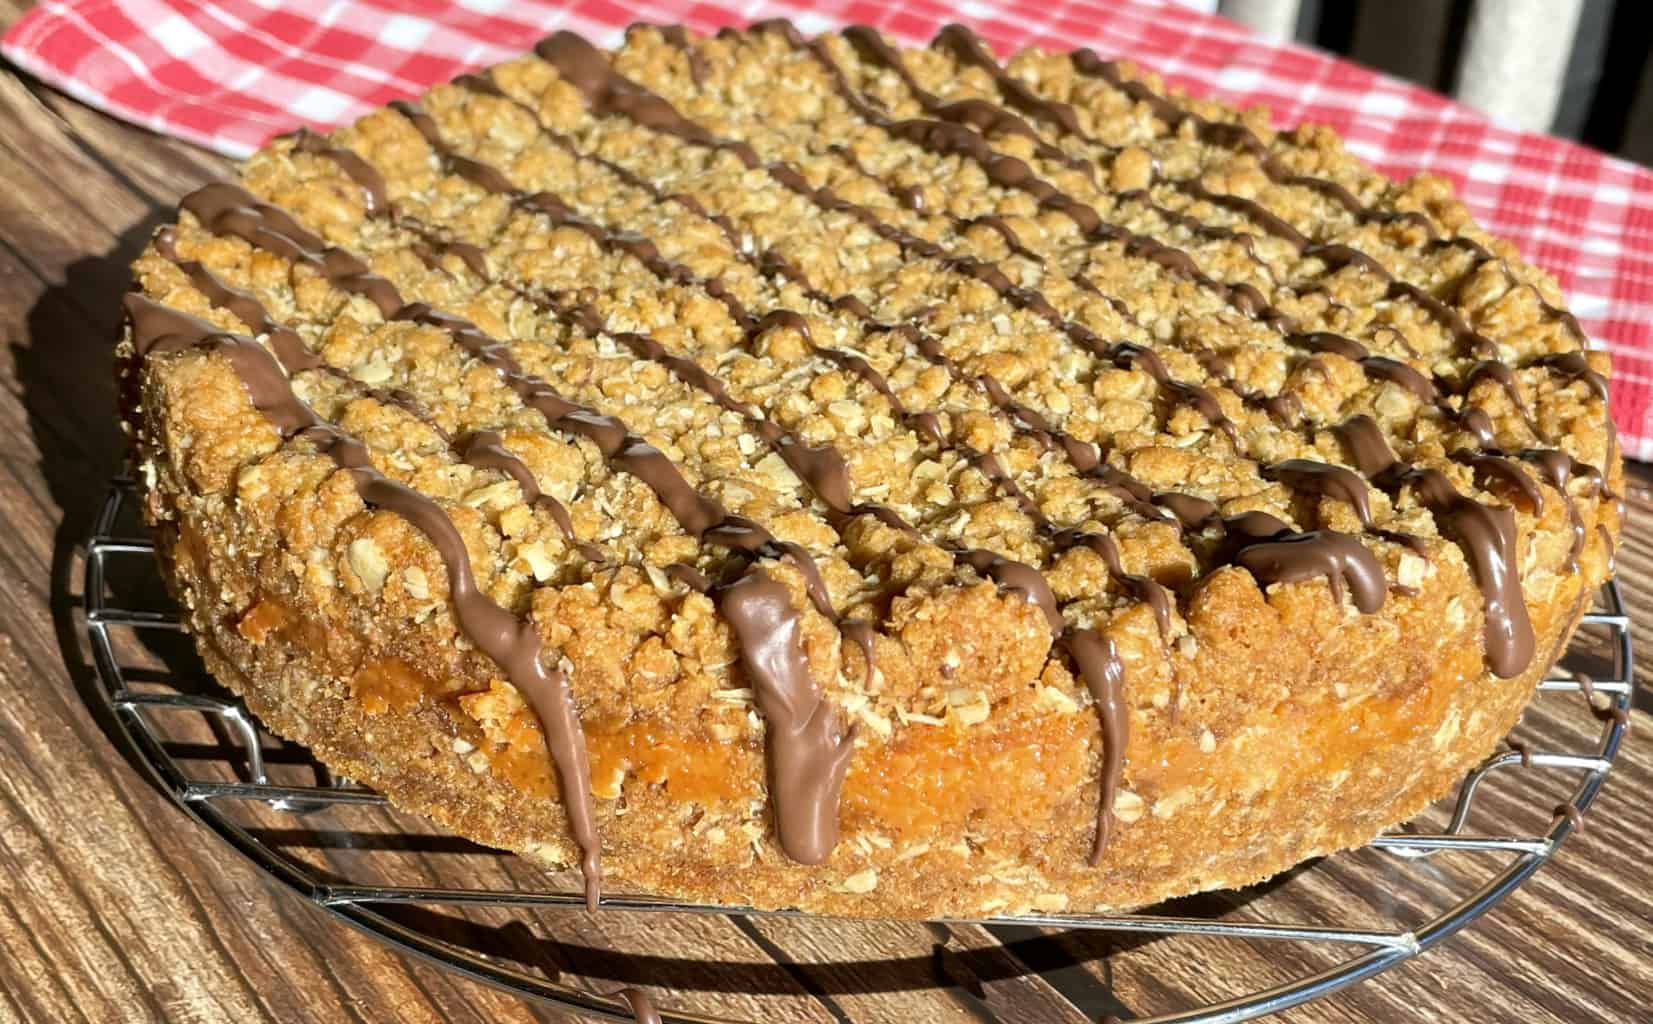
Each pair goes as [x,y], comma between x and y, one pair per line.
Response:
[514,644]
[1331,556]
[1486,533]
[1569,812]
[1020,577]
[865,636]
[1322,478]
[586,68]
[807,769]
[1340,558]
[1145,588]
[1574,366]
[808,752]
[227,209]
[375,197]
[926,424]
[1368,449]
[1234,134]
[1505,377]
[970,50]
[484,450]
[1496,465]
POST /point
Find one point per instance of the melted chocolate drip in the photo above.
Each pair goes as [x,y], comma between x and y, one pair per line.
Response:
[1097,661]
[808,753]
[1323,479]
[1487,535]
[606,91]
[227,209]
[1574,366]
[1255,525]
[1479,425]
[626,451]
[1613,712]
[1192,511]
[1496,465]
[514,644]
[678,37]
[1368,449]
[865,636]
[375,197]
[1571,813]
[1505,377]
[689,576]
[1340,558]
[1379,368]
[1017,576]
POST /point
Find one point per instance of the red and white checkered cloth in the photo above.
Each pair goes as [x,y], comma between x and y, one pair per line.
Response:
[230,75]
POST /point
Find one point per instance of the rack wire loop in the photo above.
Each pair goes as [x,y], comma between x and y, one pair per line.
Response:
[140,714]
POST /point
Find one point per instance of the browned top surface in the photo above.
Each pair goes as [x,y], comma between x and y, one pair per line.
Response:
[114,908]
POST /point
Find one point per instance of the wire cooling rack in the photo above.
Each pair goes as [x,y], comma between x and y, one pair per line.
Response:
[256,792]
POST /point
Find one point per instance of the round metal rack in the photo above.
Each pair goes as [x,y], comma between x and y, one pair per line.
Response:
[165,711]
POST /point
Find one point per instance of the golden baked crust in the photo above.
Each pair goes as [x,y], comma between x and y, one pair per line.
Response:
[1159,461]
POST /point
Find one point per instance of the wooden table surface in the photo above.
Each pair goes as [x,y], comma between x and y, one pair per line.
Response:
[114,906]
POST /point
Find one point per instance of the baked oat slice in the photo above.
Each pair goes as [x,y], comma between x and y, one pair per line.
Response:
[813,473]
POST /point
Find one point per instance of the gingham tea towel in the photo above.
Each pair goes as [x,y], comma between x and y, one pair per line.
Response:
[230,75]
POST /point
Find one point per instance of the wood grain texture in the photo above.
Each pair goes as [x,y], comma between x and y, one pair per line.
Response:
[113,907]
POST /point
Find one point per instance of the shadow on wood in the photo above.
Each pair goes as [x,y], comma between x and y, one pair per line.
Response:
[65,365]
